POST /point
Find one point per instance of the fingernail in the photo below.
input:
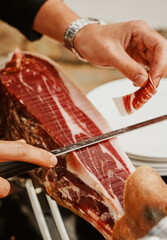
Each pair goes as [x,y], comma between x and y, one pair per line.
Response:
[21,140]
[141,80]
[53,160]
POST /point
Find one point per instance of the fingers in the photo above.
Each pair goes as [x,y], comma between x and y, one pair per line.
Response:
[153,48]
[126,46]
[130,68]
[20,151]
[4,187]
[144,46]
[158,67]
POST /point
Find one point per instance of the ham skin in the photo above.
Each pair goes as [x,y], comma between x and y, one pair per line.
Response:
[145,204]
[42,105]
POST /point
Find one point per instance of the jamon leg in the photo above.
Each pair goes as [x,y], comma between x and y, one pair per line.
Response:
[42,105]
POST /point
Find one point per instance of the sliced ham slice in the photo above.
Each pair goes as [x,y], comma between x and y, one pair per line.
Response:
[42,105]
[132,102]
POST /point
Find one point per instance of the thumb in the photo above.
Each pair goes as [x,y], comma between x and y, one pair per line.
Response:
[130,68]
[4,187]
[158,67]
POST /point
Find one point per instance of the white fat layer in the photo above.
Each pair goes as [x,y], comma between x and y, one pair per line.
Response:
[93,215]
[66,190]
[105,150]
[91,181]
[18,60]
[24,83]
[75,130]
[122,154]
[120,105]
[39,88]
[65,193]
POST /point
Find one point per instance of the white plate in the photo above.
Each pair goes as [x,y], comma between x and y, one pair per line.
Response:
[161,168]
[148,143]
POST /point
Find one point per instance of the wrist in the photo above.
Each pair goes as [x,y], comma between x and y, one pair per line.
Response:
[86,39]
[74,29]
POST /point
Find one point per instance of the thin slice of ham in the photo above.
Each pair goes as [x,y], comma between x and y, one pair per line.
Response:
[134,101]
[42,105]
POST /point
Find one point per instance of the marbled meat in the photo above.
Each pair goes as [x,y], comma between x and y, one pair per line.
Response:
[42,105]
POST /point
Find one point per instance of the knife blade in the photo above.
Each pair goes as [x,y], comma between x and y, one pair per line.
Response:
[106,136]
[11,169]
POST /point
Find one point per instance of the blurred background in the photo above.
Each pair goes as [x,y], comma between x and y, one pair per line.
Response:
[84,75]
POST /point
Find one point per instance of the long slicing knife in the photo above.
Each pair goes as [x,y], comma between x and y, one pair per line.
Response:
[11,169]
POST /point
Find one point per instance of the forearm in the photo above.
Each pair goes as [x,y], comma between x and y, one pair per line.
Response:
[53,18]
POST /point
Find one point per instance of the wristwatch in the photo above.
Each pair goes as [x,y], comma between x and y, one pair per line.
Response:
[73,29]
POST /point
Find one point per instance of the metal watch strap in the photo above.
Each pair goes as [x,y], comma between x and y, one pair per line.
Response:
[73,29]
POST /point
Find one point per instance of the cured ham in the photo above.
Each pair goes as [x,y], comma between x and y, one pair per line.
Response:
[42,105]
[134,101]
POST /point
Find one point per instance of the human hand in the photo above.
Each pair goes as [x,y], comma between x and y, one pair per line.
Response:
[20,151]
[127,46]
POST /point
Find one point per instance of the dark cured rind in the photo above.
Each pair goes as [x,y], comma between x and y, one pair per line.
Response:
[2,125]
[21,124]
[145,203]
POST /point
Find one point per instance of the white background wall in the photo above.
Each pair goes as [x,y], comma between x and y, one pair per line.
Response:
[154,12]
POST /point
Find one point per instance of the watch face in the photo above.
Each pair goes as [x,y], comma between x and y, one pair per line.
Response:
[93,19]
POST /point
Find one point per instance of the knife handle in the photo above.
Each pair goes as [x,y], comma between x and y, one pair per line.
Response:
[14,168]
